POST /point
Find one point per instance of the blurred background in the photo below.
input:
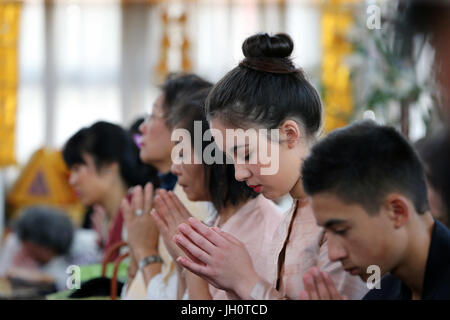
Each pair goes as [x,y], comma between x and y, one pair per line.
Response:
[65,64]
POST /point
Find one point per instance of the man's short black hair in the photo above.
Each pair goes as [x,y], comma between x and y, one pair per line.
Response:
[362,163]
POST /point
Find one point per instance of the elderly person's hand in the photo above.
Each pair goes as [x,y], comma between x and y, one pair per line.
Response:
[168,214]
[319,286]
[220,258]
[142,232]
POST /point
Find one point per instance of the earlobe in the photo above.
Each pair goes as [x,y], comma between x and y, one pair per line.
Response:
[291,131]
[399,210]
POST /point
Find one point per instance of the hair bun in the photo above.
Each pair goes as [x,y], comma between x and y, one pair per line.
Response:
[262,45]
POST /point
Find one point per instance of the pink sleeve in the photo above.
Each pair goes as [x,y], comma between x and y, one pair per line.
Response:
[265,291]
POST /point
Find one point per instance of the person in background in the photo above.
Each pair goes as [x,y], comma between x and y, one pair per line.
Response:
[44,243]
[135,132]
[154,280]
[155,143]
[95,216]
[434,152]
[104,163]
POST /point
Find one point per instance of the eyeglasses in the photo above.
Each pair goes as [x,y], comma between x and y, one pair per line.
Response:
[154,116]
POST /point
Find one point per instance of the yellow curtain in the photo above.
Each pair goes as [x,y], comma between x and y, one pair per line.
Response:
[337,89]
[9,30]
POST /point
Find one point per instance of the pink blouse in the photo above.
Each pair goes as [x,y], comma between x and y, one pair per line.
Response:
[254,224]
[299,244]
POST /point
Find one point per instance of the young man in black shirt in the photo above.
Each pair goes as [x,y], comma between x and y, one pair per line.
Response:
[368,190]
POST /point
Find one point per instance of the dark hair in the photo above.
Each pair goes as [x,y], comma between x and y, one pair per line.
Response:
[178,86]
[108,143]
[46,227]
[266,89]
[434,151]
[222,186]
[134,127]
[423,16]
[362,163]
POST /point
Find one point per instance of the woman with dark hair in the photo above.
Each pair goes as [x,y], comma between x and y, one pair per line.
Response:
[104,163]
[155,143]
[266,92]
[240,211]
[155,149]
